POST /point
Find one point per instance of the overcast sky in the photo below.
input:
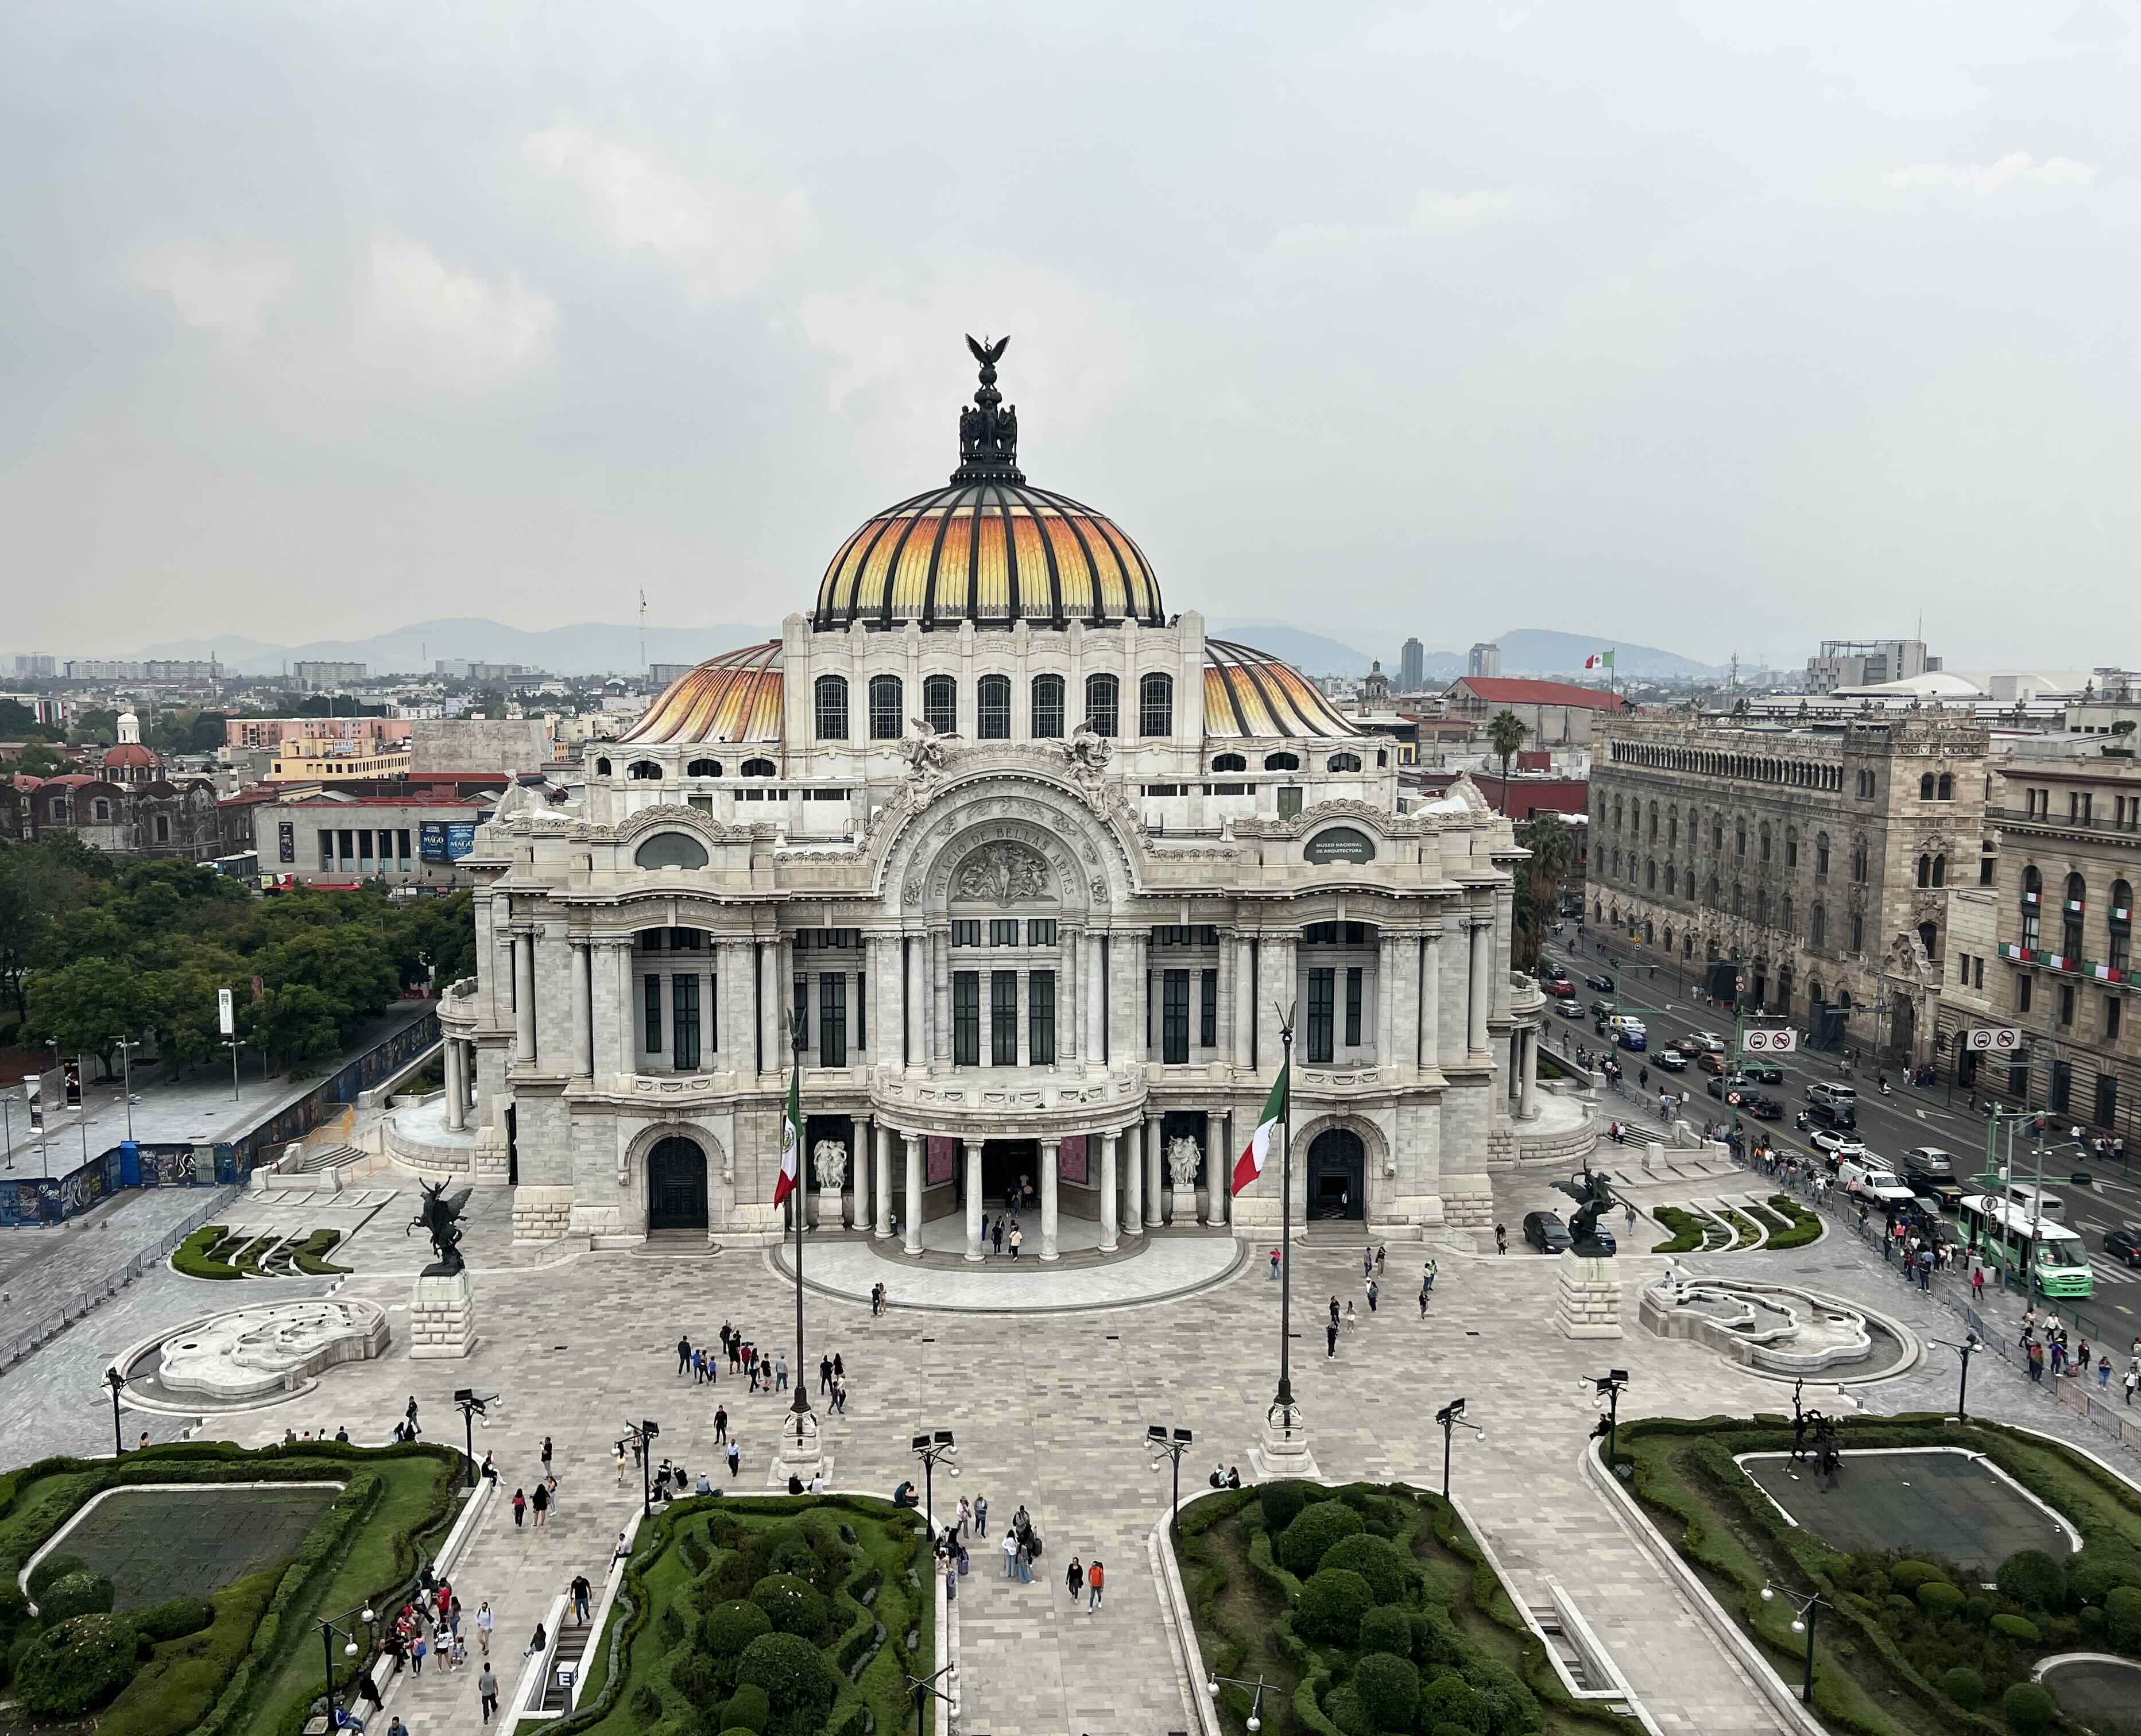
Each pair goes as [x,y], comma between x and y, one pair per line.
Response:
[1719,327]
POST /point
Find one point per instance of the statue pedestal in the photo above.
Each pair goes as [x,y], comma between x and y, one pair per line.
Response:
[1282,1449]
[1185,1206]
[829,1203]
[797,1451]
[1586,1300]
[442,1315]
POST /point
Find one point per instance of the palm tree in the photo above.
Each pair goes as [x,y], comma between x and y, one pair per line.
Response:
[1553,851]
[1505,735]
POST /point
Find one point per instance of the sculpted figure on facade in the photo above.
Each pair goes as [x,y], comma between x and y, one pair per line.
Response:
[829,1163]
[1088,752]
[1002,873]
[1184,1159]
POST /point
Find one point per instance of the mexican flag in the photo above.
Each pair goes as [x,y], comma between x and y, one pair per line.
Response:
[792,1138]
[1599,660]
[1251,1163]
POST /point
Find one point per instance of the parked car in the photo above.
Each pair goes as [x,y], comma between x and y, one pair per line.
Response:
[1600,982]
[1546,1232]
[1768,1072]
[2124,1243]
[1711,1061]
[1708,1041]
[1671,1060]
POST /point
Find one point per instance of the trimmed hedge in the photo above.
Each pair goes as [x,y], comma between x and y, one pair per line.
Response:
[75,1665]
[191,1256]
[1303,1543]
[1806,1225]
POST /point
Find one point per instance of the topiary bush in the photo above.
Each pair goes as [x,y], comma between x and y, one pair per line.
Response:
[748,1708]
[1281,1503]
[1332,1602]
[51,1571]
[1387,1629]
[2019,1629]
[1963,1685]
[2028,1709]
[1343,1708]
[1906,1576]
[2106,1564]
[174,1618]
[76,1665]
[2033,1579]
[1387,1568]
[1939,1599]
[728,1628]
[1977,1608]
[83,1593]
[1448,1701]
[794,1606]
[1388,1688]
[792,1554]
[1303,1544]
[800,1685]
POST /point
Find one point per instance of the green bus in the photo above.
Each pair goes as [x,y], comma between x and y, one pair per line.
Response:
[2045,1254]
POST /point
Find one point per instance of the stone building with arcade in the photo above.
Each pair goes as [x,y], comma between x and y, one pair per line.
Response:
[1029,871]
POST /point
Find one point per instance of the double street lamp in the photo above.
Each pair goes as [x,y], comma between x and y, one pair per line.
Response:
[929,1448]
[1452,1418]
[648,1431]
[117,1382]
[329,1627]
[1969,1345]
[1157,1441]
[1608,1386]
[1809,1604]
[922,1686]
[1255,1720]
[472,1405]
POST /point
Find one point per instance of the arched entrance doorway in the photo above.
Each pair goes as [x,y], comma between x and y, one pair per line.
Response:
[676,1186]
[1337,1175]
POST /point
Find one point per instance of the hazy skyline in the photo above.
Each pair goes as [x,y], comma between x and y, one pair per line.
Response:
[1716,328]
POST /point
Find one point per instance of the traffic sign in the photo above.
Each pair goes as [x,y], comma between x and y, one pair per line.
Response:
[1770,1042]
[2001,1039]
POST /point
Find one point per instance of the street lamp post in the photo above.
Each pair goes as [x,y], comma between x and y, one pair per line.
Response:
[1157,1441]
[648,1430]
[329,1627]
[1256,1720]
[1809,1605]
[1969,1346]
[234,1045]
[802,1426]
[117,1381]
[929,1448]
[922,1686]
[1608,1387]
[126,1046]
[473,1404]
[1452,1418]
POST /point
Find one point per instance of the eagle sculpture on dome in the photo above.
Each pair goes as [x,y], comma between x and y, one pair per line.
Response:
[986,353]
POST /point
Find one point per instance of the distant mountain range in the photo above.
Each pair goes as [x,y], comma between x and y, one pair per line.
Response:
[604,648]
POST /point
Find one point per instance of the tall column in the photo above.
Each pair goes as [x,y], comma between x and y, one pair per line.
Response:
[1126,989]
[1527,1102]
[1051,1198]
[912,1244]
[1388,1052]
[914,952]
[1217,1174]
[1478,988]
[1431,1003]
[1097,1012]
[1245,1000]
[1070,999]
[1154,1195]
[1022,987]
[940,1001]
[859,1171]
[457,1089]
[1222,1019]
[523,998]
[734,999]
[1109,1181]
[583,1030]
[974,1199]
[881,1157]
[1133,1188]
[772,1051]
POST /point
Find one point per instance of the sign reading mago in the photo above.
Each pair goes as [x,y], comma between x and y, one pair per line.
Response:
[1340,844]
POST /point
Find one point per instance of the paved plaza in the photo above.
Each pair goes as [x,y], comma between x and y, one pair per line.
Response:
[1050,1405]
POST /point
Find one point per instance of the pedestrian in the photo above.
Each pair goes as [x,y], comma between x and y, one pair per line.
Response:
[2133,1380]
[541,1503]
[839,1396]
[1423,1292]
[1095,1581]
[720,1424]
[735,1458]
[981,1516]
[996,1235]
[583,1594]
[1352,1320]
[780,1373]
[736,1351]
[825,1375]
[1380,1253]
[547,1450]
[1373,1292]
[1017,1238]
[1501,1238]
[1334,1310]
[520,1507]
[1368,1261]
[1274,1265]
[876,1300]
[1331,1339]
[417,1652]
[414,1431]
[2103,1374]
[963,1519]
[683,1354]
[484,1622]
[486,1685]
[1010,1555]
[1977,1283]
[456,1653]
[1074,1577]
[620,1464]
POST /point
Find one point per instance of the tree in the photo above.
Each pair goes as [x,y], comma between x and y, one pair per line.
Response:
[1553,849]
[88,1005]
[1505,735]
[294,1025]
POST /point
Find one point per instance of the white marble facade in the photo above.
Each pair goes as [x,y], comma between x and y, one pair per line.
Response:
[1048,938]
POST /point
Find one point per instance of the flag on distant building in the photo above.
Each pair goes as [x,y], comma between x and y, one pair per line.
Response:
[1599,660]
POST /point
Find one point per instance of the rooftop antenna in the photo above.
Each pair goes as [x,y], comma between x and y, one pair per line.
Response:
[644,665]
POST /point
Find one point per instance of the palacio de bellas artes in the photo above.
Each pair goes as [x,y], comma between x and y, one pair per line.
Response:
[1032,877]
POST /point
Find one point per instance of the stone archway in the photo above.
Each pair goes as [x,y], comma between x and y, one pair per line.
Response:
[676,1184]
[1337,1176]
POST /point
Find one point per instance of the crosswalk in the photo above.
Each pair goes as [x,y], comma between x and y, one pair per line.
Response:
[2113,1272]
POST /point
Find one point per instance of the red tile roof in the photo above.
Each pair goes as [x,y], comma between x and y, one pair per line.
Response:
[1497,690]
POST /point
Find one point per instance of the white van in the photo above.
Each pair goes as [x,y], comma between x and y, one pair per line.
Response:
[1867,1177]
[2035,1201]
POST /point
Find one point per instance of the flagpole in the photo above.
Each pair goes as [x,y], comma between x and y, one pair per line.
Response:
[1285,1397]
[797,1204]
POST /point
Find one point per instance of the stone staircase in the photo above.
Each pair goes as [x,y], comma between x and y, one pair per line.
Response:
[569,1652]
[329,1157]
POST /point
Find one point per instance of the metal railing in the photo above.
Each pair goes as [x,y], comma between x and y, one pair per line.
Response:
[78,1299]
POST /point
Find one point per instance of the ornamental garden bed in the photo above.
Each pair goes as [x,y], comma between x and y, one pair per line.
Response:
[215,1252]
[1368,1609]
[780,1615]
[114,1643]
[1939,1628]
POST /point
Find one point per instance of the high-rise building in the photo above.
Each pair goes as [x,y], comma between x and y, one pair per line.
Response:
[1866,663]
[1412,667]
[35,668]
[1485,659]
[311,677]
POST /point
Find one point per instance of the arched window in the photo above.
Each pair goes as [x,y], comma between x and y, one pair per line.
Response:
[1155,706]
[1926,788]
[1048,708]
[163,829]
[1650,874]
[671,849]
[1104,705]
[2120,920]
[2077,904]
[832,708]
[888,708]
[1382,756]
[1669,883]
[1818,929]
[940,703]
[1740,840]
[1717,836]
[703,769]
[758,769]
[1940,870]
[1821,855]
[103,808]
[1762,905]
[602,768]
[1617,814]
[1791,846]
[644,771]
[1672,828]
[1343,762]
[1786,918]
[1739,900]
[1282,762]
[2033,896]
[992,708]
[1765,844]
[1712,898]
[1858,860]
[1946,788]
[1925,870]
[1857,932]
[1230,762]
[1653,823]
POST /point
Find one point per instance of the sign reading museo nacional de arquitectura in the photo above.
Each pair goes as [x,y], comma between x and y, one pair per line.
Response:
[1022,868]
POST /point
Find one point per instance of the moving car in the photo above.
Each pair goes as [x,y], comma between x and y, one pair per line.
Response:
[1946,1193]
[1725,1082]
[1562,989]
[1603,1010]
[1671,1060]
[1768,1072]
[1546,1232]
[1711,1061]
[2124,1243]
[1760,1105]
[1927,1163]
[1568,1009]
[1836,1104]
[1867,1177]
[1600,982]
[1708,1041]
[1837,1144]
